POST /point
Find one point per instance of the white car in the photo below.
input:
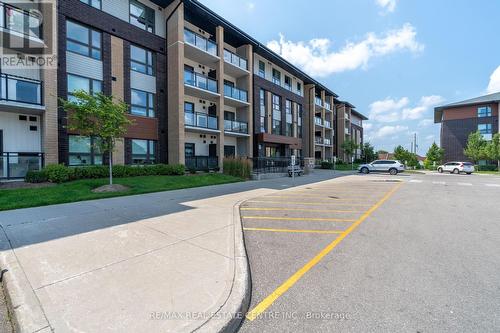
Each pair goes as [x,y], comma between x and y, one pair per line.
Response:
[456,167]
[393,167]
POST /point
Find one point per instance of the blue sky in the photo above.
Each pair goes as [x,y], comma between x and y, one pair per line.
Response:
[394,59]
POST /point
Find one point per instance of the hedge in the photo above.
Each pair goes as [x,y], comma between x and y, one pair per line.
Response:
[58,173]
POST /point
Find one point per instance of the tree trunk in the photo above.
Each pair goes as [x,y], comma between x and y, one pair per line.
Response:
[110,166]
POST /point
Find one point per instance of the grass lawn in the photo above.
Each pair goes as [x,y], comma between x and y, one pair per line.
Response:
[81,190]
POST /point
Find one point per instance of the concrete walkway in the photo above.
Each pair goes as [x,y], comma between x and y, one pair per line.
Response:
[157,262]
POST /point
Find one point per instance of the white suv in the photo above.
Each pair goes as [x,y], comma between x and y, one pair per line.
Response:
[393,167]
[456,167]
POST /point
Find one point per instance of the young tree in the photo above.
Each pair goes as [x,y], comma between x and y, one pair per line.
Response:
[435,154]
[349,147]
[401,154]
[476,147]
[368,153]
[98,116]
[493,149]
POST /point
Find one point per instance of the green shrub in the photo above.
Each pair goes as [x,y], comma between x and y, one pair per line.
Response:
[57,173]
[326,165]
[237,167]
[36,177]
[487,167]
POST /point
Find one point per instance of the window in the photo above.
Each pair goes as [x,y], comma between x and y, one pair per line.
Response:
[142,103]
[84,150]
[262,69]
[484,111]
[93,3]
[262,103]
[299,88]
[288,118]
[83,40]
[485,130]
[142,16]
[299,120]
[229,151]
[276,77]
[141,60]
[276,115]
[189,150]
[143,151]
[288,83]
[76,82]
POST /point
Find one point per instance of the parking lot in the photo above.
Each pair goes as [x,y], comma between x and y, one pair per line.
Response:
[376,253]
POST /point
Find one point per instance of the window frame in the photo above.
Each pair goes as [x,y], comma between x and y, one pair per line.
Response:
[262,70]
[94,152]
[91,84]
[146,64]
[288,115]
[487,130]
[487,109]
[276,79]
[90,3]
[90,46]
[147,24]
[276,110]
[150,109]
[262,111]
[289,85]
[150,157]
[299,120]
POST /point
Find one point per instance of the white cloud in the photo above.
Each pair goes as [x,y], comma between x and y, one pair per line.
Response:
[250,6]
[430,138]
[494,85]
[385,131]
[426,102]
[387,110]
[387,5]
[425,122]
[316,58]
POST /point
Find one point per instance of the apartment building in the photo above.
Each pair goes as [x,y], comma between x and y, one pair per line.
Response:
[349,127]
[199,90]
[460,119]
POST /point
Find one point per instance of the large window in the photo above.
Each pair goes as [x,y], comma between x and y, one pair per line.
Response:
[93,3]
[262,69]
[76,82]
[83,40]
[142,103]
[288,118]
[143,151]
[288,83]
[299,120]
[84,150]
[276,76]
[484,111]
[299,88]
[276,115]
[142,16]
[262,108]
[485,130]
[141,60]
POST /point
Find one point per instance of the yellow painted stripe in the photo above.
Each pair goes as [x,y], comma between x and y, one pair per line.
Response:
[269,300]
[308,203]
[299,210]
[295,230]
[296,219]
[326,198]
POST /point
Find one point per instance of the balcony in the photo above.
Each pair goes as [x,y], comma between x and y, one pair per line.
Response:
[347,131]
[318,121]
[235,127]
[234,96]
[199,48]
[234,65]
[21,24]
[328,106]
[18,93]
[318,101]
[200,85]
[16,165]
[198,120]
[328,124]
[328,142]
[318,140]
[201,163]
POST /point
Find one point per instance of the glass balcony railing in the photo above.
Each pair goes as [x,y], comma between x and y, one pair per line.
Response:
[235,126]
[318,140]
[200,42]
[200,81]
[318,121]
[201,120]
[20,21]
[328,106]
[19,89]
[347,131]
[16,165]
[328,142]
[202,163]
[235,93]
[236,60]
[318,101]
[328,124]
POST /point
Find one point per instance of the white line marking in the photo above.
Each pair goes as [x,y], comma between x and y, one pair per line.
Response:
[493,185]
[464,184]
[415,181]
[439,183]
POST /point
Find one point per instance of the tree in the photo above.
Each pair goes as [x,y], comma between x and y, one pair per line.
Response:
[493,149]
[368,153]
[382,152]
[434,154]
[400,154]
[476,147]
[349,147]
[98,116]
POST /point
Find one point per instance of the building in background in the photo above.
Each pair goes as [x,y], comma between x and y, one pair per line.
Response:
[349,127]
[460,119]
[199,88]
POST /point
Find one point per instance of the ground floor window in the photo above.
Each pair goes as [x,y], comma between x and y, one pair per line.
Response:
[84,150]
[189,149]
[229,151]
[143,151]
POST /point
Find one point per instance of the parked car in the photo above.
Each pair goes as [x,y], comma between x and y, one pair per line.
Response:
[456,167]
[393,167]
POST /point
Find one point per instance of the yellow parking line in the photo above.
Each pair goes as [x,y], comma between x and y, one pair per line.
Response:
[319,197]
[300,210]
[309,203]
[296,219]
[295,230]
[269,300]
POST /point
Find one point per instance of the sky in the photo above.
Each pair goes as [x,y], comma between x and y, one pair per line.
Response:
[395,60]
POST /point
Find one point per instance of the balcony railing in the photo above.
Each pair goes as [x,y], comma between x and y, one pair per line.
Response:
[236,60]
[318,140]
[328,106]
[235,93]
[328,142]
[16,165]
[318,101]
[263,165]
[201,120]
[200,42]
[20,21]
[318,121]
[19,89]
[236,126]
[328,124]
[201,163]
[347,131]
[200,81]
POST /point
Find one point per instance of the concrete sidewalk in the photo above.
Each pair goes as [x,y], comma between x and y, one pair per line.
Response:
[156,262]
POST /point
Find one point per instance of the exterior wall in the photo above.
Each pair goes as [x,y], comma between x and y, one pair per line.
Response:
[269,74]
[17,136]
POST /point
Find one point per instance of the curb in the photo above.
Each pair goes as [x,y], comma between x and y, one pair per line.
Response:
[230,315]
[26,313]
